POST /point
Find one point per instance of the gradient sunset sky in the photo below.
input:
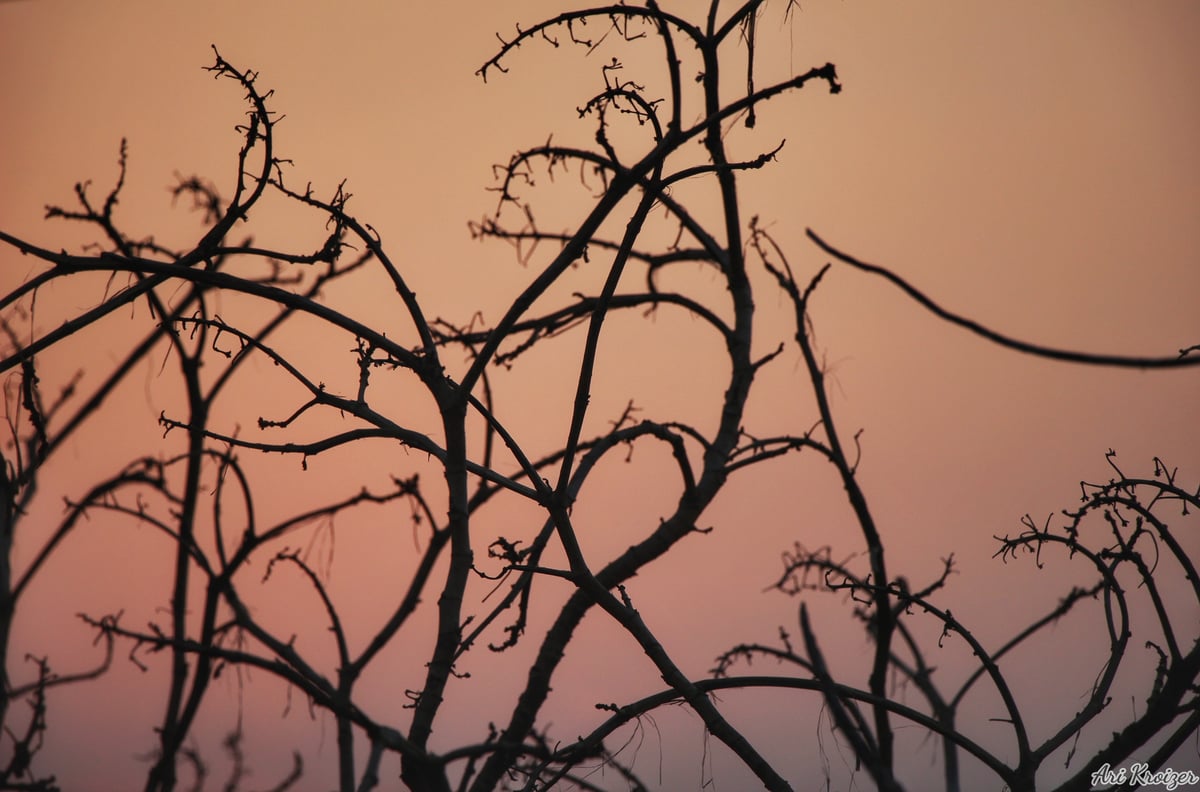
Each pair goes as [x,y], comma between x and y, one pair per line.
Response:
[1034,166]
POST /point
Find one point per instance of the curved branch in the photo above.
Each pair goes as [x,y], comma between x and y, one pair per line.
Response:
[1183,359]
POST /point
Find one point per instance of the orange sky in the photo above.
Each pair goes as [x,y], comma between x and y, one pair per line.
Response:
[1031,165]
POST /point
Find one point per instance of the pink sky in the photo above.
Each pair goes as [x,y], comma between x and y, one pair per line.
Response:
[1031,165]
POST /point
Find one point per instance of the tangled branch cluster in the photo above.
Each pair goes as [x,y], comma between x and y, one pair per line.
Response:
[200,497]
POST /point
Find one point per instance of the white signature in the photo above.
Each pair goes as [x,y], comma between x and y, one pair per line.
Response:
[1140,775]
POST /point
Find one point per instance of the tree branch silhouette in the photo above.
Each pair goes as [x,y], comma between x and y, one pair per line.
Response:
[225,333]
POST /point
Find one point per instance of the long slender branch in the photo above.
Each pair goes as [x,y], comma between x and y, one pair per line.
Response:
[1039,350]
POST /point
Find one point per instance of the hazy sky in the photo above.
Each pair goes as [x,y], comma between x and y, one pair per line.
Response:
[1032,165]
